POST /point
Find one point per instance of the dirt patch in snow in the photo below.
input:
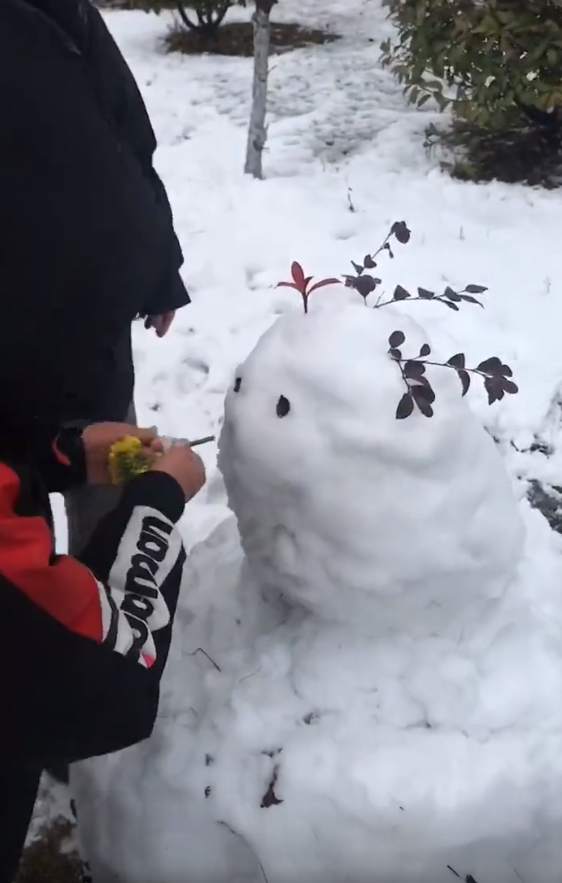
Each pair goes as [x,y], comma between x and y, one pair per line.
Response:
[237,39]
[51,857]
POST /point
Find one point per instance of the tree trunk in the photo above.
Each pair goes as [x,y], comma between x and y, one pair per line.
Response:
[257,130]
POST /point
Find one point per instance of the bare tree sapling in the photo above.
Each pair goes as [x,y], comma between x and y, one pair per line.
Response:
[257,129]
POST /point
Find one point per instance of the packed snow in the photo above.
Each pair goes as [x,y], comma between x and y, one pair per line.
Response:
[364,519]
[366,669]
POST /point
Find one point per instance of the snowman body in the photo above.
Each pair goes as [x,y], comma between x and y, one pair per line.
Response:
[378,697]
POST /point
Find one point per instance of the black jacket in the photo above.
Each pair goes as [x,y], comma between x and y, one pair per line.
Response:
[83,644]
[86,234]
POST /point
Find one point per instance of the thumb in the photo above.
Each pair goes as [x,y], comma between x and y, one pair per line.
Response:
[146,436]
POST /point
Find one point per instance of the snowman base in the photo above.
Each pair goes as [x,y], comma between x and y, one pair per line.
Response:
[319,754]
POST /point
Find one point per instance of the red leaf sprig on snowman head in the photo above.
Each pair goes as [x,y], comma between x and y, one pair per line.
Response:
[301,283]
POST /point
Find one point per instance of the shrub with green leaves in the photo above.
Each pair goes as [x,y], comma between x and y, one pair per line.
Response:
[498,65]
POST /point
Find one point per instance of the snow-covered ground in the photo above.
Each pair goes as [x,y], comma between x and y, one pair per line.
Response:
[344,161]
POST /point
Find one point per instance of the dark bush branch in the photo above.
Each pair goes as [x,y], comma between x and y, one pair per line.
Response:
[185,18]
[222,13]
[204,652]
[209,16]
[214,17]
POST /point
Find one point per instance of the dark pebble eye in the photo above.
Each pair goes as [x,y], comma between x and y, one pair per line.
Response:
[237,384]
[283,406]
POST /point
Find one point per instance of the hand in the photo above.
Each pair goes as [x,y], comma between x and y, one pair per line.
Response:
[98,439]
[183,464]
[161,323]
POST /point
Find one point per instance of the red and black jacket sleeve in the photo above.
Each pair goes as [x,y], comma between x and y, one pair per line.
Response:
[83,644]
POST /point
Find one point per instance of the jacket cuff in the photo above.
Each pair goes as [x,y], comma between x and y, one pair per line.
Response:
[62,463]
[173,297]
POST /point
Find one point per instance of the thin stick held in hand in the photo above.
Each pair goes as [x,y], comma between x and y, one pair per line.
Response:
[201,441]
[192,443]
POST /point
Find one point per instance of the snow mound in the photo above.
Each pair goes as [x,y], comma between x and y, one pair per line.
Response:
[361,517]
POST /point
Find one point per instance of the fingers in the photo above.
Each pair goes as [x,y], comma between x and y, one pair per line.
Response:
[100,436]
[150,451]
[185,466]
[146,436]
[154,322]
[161,323]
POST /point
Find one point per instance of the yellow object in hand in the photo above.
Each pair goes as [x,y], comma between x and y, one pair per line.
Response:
[126,457]
[126,460]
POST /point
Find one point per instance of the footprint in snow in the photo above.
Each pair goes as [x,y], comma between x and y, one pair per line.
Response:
[192,375]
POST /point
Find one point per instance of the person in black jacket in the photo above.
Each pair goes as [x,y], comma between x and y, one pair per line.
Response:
[113,94]
[86,83]
[78,132]
[85,246]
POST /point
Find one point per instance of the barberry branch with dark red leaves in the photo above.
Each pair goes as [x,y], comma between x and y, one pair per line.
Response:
[419,392]
[366,283]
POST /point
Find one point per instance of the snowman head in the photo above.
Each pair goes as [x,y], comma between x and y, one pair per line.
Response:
[346,510]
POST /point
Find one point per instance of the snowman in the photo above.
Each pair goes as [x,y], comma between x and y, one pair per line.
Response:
[366,675]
